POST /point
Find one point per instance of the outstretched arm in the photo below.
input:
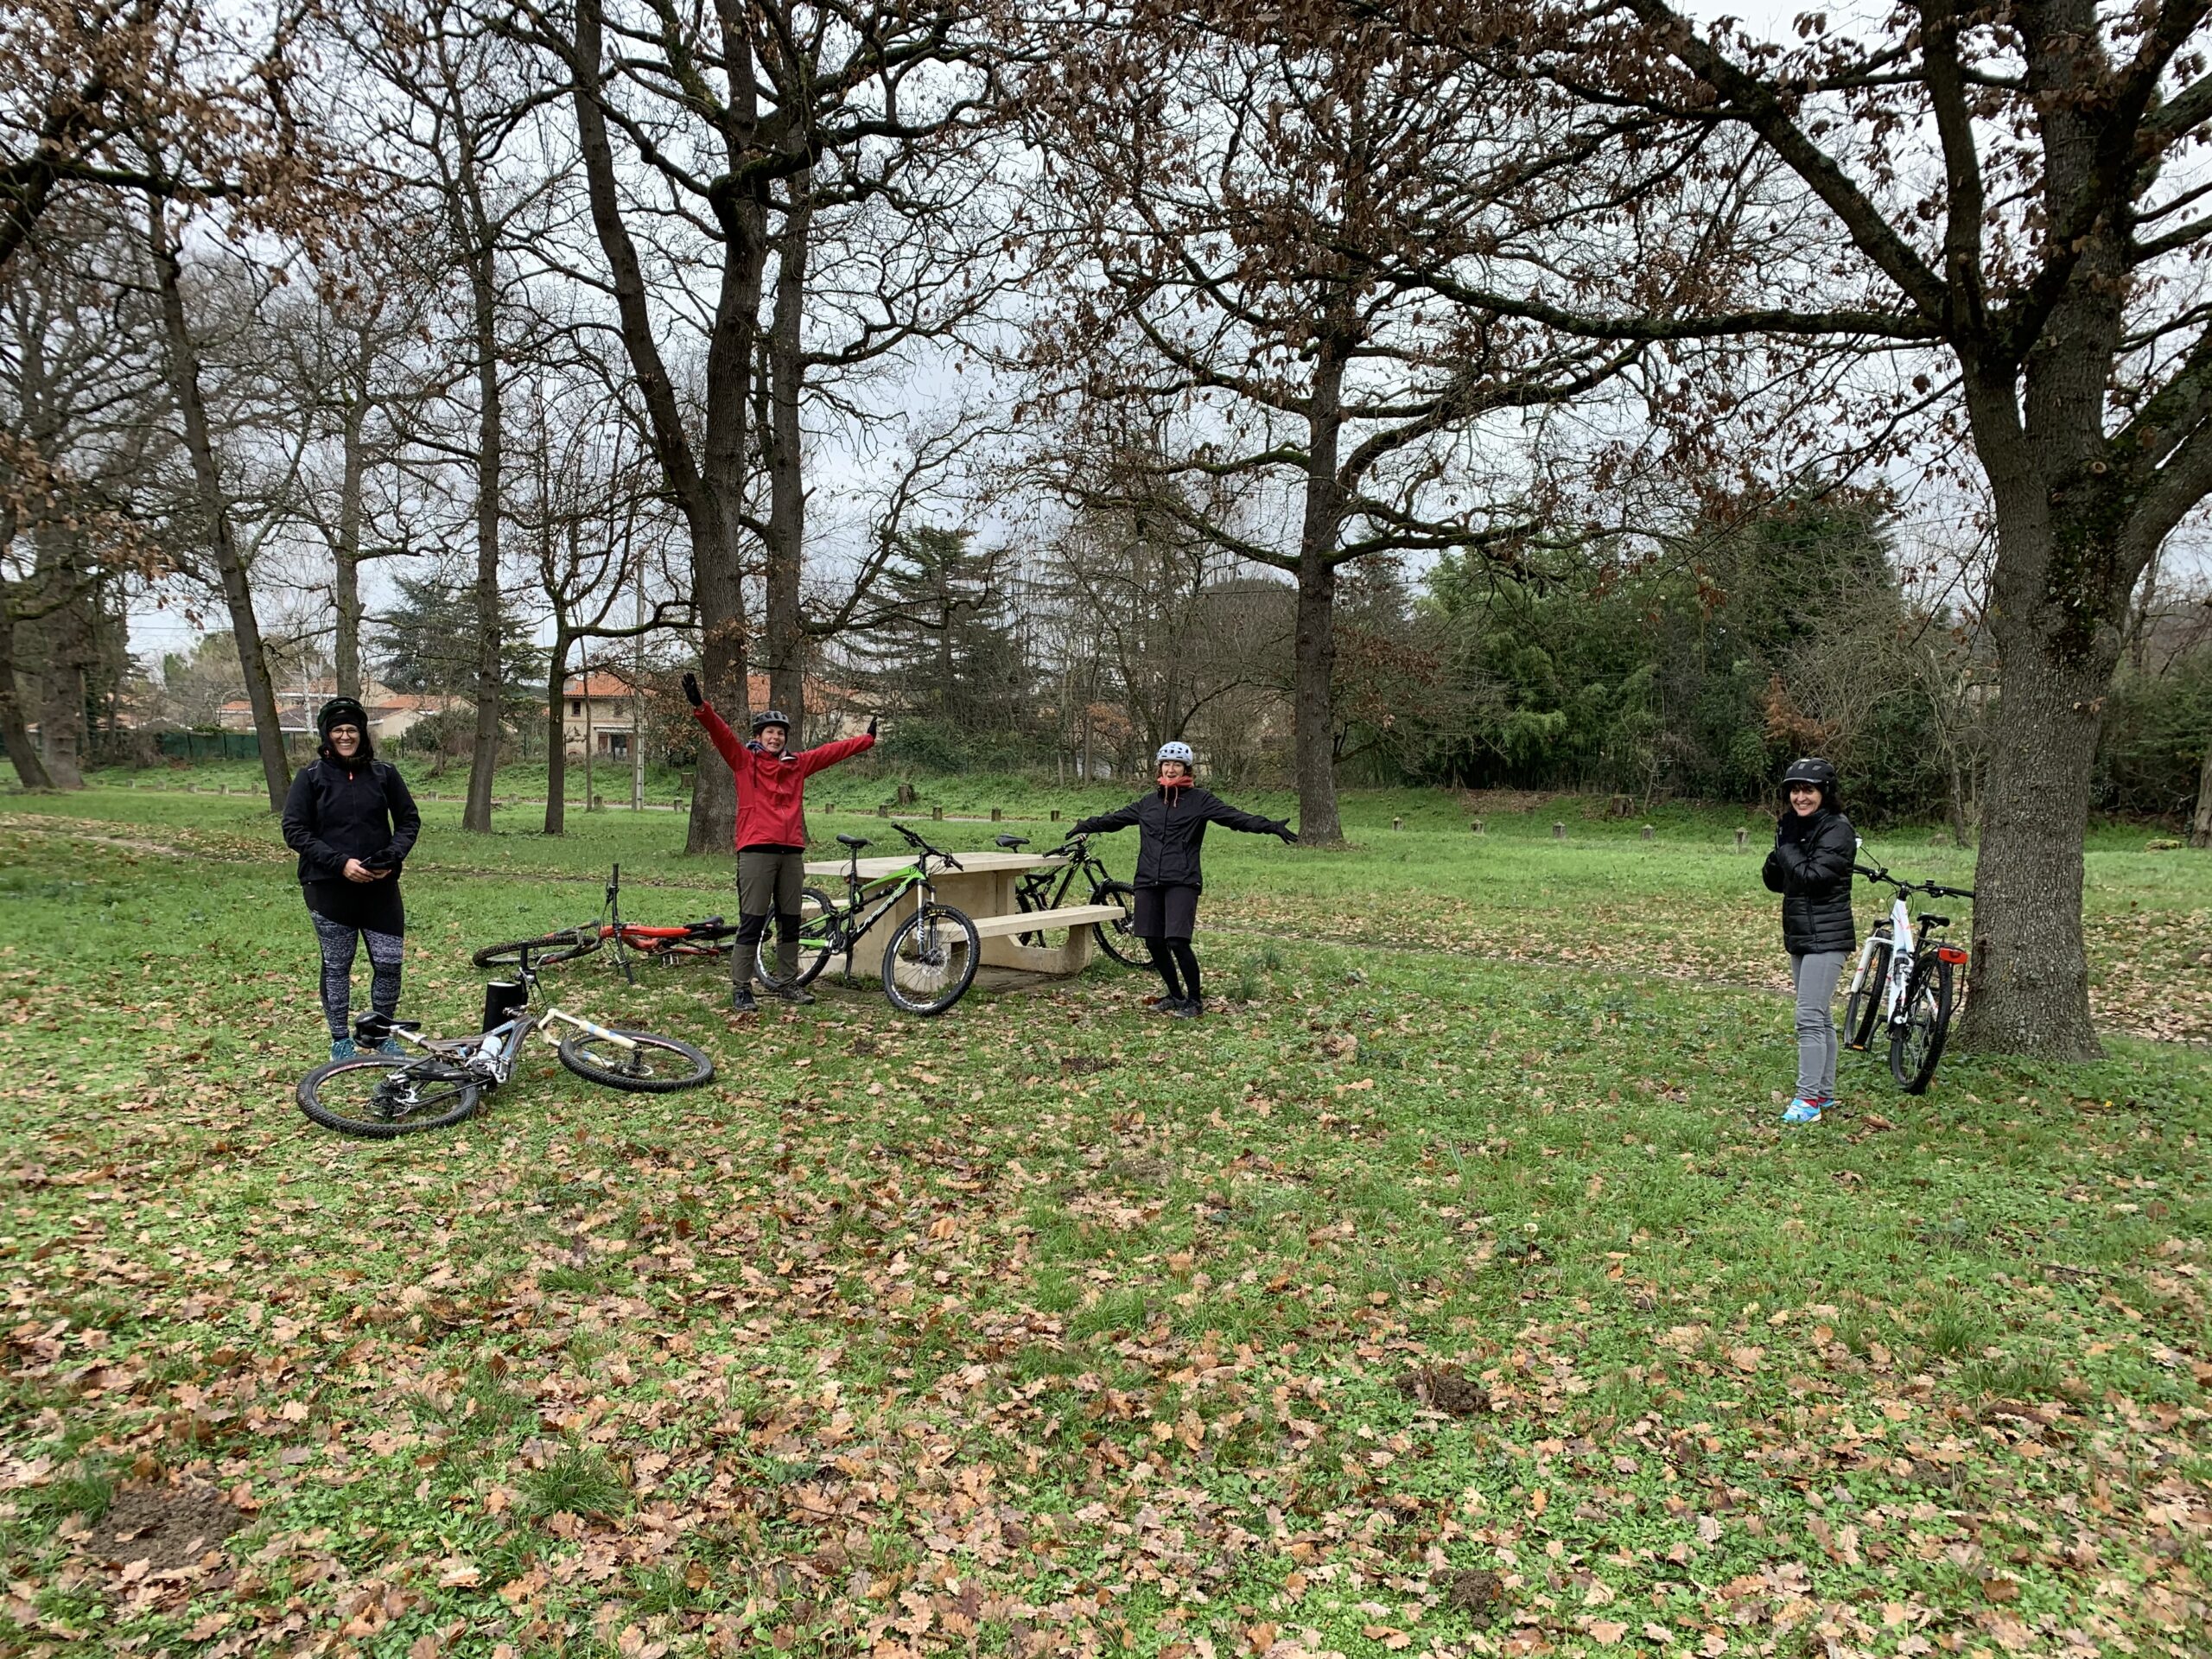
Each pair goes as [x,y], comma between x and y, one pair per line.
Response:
[1106,823]
[1232,817]
[828,754]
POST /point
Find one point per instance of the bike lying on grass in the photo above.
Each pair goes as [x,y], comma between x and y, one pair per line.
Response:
[1903,982]
[381,1095]
[711,937]
[930,960]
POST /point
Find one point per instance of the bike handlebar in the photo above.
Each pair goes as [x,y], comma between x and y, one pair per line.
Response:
[1932,889]
[950,862]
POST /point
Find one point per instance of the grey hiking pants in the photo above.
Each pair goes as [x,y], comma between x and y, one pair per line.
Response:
[1816,978]
[768,881]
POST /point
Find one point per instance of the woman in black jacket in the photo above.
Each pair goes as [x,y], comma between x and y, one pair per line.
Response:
[1171,823]
[350,820]
[1815,848]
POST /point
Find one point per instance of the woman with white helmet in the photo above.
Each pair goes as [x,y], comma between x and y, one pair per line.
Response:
[1171,820]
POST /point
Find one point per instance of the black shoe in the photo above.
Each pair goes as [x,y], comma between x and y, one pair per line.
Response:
[740,1001]
[1190,1007]
[798,996]
[1167,1005]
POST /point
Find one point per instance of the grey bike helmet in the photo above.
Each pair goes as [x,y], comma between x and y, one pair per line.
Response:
[1177,752]
[768,717]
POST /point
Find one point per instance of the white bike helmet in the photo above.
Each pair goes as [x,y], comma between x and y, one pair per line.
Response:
[1177,752]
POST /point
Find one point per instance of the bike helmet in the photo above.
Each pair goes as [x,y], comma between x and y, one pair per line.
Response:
[768,717]
[1811,769]
[1176,752]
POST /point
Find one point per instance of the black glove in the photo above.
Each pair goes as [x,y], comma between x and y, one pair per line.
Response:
[1288,835]
[691,691]
[871,719]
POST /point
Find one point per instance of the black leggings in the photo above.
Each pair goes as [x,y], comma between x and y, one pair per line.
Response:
[1170,956]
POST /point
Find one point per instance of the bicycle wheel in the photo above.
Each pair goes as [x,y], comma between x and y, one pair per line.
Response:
[1863,1008]
[1114,937]
[545,950]
[1917,1043]
[931,960]
[381,1095]
[819,938]
[657,1065]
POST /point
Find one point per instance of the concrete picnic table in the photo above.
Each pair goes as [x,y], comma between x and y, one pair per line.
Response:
[982,887]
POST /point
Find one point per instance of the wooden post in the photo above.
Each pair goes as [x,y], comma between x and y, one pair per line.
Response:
[1740,833]
[1056,814]
[1559,832]
[936,812]
[1647,832]
[1398,824]
[996,815]
[883,811]
[1476,825]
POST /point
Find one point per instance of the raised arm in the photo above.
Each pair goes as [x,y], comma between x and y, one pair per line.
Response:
[1251,824]
[724,739]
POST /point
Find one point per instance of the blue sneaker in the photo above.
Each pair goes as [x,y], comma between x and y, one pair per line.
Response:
[341,1048]
[390,1045]
[1802,1110]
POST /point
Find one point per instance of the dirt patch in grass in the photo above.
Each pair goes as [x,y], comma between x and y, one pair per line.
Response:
[165,1526]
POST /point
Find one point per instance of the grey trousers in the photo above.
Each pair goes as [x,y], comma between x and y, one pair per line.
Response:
[768,881]
[1816,978]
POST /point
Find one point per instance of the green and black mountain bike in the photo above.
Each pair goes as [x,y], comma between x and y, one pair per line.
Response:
[930,960]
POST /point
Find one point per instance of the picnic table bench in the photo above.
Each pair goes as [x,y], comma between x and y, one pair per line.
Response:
[984,887]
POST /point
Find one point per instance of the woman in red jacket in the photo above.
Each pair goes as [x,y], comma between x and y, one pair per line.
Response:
[771,837]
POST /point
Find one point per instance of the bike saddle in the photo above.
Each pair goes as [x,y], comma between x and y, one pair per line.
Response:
[855,842]
[375,1027]
[1012,842]
[711,921]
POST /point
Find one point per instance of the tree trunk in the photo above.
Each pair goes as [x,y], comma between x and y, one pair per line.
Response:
[345,580]
[484,752]
[2031,975]
[710,495]
[14,730]
[786,646]
[238,598]
[2200,829]
[557,739]
[1315,660]
[66,636]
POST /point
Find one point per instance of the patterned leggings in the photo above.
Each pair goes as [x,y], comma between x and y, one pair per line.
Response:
[385,952]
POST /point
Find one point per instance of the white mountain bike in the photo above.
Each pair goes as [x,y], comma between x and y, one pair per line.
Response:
[1904,982]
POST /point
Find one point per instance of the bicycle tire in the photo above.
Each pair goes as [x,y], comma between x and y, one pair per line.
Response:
[939,950]
[545,950]
[1114,939]
[622,1068]
[443,1110]
[819,939]
[1864,1006]
[1916,1043]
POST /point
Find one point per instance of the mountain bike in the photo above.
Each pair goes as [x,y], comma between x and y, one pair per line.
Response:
[1903,982]
[1048,888]
[382,1095]
[930,961]
[667,945]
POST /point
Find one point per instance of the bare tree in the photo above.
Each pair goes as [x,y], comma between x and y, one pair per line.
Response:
[1990,200]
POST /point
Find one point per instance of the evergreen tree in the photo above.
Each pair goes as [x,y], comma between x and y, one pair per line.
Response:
[947,660]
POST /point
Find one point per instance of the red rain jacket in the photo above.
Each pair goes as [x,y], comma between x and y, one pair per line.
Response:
[772,789]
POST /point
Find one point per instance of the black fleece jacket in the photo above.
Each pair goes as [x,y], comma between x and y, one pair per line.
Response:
[1810,867]
[1172,823]
[334,813]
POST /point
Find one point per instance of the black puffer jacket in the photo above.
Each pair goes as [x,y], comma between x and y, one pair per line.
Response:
[335,812]
[1173,823]
[1810,867]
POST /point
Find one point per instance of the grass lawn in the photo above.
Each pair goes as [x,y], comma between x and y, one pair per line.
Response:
[1452,1288]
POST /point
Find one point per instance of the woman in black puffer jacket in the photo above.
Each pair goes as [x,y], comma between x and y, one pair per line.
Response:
[1814,848]
[352,822]
[1171,822]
